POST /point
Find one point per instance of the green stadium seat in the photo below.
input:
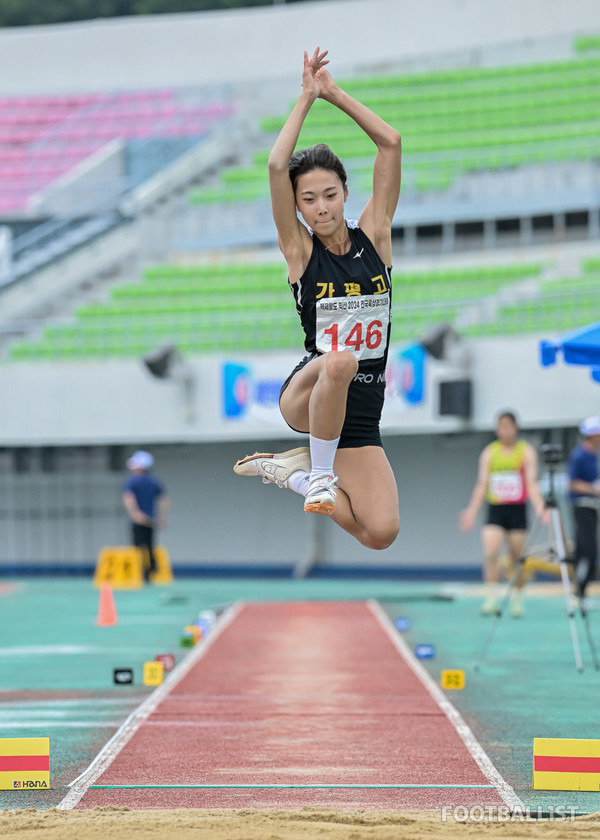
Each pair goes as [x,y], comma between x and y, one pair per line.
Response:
[586,43]
[471,119]
[530,113]
[591,264]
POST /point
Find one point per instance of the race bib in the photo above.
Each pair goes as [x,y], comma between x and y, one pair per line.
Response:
[506,487]
[356,323]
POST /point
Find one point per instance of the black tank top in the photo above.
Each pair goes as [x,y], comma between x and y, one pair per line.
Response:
[344,303]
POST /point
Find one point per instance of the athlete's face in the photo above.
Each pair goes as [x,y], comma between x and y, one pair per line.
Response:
[506,431]
[320,197]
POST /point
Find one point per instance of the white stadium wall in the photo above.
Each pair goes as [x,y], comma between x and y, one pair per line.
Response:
[220,519]
[266,43]
[120,402]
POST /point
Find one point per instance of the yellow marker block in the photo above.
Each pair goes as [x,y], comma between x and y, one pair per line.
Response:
[121,566]
[566,764]
[24,763]
[153,673]
[452,679]
[163,574]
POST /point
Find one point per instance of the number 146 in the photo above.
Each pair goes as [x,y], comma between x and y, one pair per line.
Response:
[355,339]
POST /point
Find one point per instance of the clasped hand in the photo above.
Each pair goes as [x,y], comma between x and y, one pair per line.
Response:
[316,80]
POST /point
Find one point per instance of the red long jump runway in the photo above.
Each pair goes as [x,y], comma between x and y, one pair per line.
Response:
[290,697]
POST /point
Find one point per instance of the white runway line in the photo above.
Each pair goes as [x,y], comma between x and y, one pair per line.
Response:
[464,731]
[59,724]
[69,703]
[70,650]
[113,747]
[67,714]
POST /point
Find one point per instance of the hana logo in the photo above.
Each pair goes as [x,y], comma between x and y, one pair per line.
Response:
[236,389]
[243,388]
[406,375]
[29,784]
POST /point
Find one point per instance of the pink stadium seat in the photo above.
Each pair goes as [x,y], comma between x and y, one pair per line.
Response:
[11,156]
[42,137]
[8,205]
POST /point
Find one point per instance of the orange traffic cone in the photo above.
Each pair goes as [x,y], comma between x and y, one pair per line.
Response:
[107,612]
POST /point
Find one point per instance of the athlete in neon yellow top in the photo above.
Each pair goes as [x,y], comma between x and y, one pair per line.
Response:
[507,478]
[507,481]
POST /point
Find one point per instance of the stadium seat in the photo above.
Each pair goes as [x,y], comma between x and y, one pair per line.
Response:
[474,118]
[48,135]
[177,303]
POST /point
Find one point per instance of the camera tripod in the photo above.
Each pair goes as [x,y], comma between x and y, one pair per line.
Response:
[555,552]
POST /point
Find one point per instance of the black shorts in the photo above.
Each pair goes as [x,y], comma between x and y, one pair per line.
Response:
[508,517]
[363,411]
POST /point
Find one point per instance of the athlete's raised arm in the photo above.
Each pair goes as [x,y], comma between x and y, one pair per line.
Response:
[290,231]
[376,218]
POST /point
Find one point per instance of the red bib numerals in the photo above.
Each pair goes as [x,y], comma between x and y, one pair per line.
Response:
[357,324]
[355,341]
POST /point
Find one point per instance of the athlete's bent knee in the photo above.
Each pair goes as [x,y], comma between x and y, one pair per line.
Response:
[340,367]
[382,537]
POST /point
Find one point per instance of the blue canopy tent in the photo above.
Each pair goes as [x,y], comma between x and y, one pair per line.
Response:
[580,347]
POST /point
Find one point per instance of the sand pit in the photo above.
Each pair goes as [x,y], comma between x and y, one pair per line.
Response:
[196,824]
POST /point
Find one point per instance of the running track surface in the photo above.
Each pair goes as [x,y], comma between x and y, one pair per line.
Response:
[297,693]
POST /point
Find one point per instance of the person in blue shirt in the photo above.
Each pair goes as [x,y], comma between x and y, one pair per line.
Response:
[147,505]
[584,492]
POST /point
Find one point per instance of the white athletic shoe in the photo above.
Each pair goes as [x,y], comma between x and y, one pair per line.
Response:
[320,497]
[516,606]
[517,610]
[275,469]
[489,607]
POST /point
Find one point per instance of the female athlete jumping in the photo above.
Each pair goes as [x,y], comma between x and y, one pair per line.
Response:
[339,273]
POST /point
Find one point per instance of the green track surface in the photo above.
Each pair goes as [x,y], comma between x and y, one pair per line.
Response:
[56,665]
[527,685]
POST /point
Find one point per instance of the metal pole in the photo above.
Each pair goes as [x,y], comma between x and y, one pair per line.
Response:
[557,533]
[499,612]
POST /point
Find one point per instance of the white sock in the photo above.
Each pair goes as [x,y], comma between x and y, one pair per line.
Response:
[299,481]
[492,592]
[322,453]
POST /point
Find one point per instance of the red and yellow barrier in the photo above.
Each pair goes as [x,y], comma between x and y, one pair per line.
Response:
[24,763]
[566,764]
